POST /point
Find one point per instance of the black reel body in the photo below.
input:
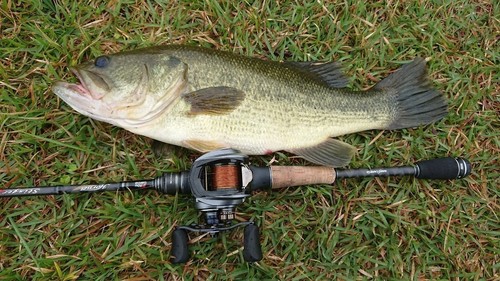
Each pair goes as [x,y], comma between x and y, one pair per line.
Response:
[218,181]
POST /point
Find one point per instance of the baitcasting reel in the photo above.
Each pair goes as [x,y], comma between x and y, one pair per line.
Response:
[222,179]
[219,181]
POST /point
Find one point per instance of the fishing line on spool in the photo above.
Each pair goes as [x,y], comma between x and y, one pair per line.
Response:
[225,176]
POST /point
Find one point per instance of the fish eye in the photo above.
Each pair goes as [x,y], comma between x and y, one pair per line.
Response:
[101,61]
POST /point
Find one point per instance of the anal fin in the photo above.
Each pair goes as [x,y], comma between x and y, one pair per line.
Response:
[331,152]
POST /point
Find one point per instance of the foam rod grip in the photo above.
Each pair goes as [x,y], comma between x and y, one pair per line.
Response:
[443,168]
[180,252]
[251,244]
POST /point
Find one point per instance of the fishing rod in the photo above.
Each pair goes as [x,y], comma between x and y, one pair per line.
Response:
[222,179]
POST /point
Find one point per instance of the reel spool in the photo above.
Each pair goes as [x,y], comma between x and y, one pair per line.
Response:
[225,177]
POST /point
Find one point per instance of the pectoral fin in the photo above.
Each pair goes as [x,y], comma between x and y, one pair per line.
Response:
[214,100]
[166,150]
[202,145]
[331,152]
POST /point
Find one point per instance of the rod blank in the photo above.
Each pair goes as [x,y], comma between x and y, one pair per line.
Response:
[66,189]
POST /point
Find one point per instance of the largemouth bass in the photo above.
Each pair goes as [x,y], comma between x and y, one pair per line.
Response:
[205,99]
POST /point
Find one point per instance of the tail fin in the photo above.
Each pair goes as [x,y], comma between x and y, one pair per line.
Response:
[417,102]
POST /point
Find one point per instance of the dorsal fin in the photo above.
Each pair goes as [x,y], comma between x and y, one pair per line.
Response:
[329,73]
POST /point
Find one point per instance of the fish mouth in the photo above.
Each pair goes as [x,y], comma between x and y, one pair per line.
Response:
[80,99]
[79,88]
[86,80]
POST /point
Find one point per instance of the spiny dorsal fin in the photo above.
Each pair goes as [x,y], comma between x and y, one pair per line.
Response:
[331,152]
[214,100]
[329,73]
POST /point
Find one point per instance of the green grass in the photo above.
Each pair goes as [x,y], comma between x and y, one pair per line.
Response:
[395,228]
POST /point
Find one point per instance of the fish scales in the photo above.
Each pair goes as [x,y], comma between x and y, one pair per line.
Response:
[287,107]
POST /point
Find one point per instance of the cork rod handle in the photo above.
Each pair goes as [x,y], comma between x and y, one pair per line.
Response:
[285,176]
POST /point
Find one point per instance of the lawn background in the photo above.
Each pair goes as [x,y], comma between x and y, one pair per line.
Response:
[395,228]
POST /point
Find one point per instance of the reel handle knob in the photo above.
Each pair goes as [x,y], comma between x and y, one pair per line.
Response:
[251,244]
[180,251]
